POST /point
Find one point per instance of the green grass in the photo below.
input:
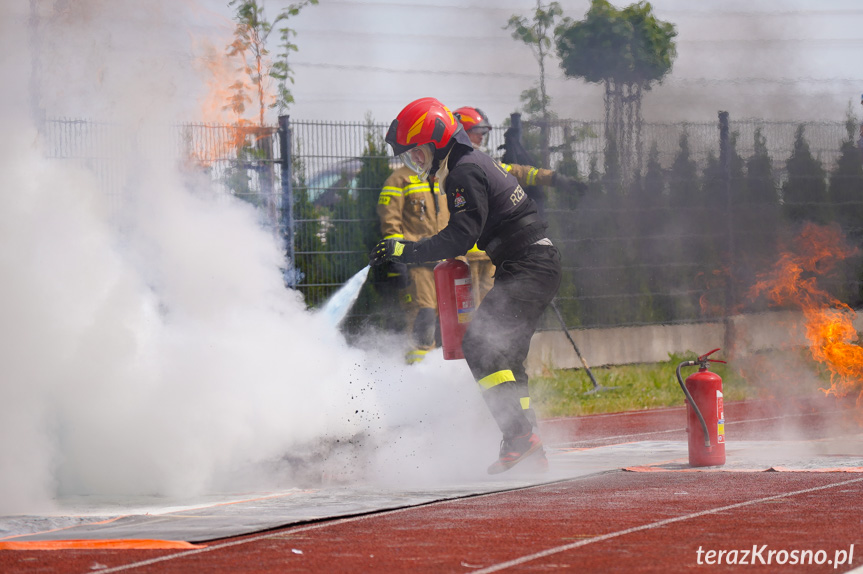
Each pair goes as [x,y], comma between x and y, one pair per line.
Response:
[564,392]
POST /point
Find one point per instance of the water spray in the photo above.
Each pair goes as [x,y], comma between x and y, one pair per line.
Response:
[338,305]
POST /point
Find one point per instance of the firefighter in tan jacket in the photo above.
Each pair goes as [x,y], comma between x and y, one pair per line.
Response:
[410,209]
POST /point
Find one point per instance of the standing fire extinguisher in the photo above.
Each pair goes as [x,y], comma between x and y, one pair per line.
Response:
[705,414]
[454,303]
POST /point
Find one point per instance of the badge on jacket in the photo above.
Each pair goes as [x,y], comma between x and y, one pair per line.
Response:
[459,200]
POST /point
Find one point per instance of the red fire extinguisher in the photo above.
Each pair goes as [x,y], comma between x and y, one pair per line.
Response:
[454,303]
[705,414]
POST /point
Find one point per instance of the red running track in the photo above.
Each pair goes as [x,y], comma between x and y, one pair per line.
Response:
[609,522]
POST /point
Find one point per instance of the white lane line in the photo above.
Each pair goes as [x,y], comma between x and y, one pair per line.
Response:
[494,568]
[651,526]
[288,530]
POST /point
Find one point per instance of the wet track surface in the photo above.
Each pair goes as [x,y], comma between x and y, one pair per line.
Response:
[620,497]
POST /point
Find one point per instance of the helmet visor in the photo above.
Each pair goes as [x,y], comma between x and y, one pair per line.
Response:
[419,159]
[478,135]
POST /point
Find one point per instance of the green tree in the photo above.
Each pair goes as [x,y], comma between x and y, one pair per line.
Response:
[625,50]
[846,185]
[683,176]
[536,33]
[359,230]
[846,195]
[312,266]
[253,140]
[757,217]
[651,221]
[728,240]
[760,184]
[804,193]
[250,47]
[654,179]
[687,204]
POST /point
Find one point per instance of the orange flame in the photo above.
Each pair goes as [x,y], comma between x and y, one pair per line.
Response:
[794,281]
[223,129]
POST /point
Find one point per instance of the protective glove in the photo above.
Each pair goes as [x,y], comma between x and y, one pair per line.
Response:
[566,183]
[397,250]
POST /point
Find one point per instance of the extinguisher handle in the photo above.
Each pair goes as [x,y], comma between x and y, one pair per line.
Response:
[704,357]
[705,360]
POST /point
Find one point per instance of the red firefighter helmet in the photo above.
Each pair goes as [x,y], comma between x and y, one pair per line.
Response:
[422,121]
[422,133]
[472,118]
[475,123]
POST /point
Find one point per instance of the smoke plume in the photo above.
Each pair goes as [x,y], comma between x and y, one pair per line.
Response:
[149,346]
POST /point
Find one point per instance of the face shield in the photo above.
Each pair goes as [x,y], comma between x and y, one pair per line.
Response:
[419,159]
[478,135]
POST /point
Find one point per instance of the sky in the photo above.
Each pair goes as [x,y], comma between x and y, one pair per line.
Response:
[770,59]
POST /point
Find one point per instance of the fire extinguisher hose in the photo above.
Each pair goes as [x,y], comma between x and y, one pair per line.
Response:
[691,401]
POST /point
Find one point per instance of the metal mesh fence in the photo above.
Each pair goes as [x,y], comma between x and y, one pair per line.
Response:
[676,238]
[824,138]
[687,234]
[101,148]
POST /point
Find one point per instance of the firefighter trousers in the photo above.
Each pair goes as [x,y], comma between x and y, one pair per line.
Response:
[420,306]
[497,340]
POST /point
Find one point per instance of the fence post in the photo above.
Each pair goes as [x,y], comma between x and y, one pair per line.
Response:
[287,220]
[725,167]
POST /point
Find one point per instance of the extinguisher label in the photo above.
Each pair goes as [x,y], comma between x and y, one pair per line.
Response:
[463,299]
[720,416]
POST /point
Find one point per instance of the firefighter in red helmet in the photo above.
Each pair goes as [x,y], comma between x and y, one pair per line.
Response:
[475,123]
[477,126]
[489,208]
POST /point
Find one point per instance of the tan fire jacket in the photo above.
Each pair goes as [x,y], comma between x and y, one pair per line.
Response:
[409,208]
[528,175]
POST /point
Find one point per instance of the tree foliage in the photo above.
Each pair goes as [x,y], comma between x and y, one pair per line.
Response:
[625,50]
[626,47]
[846,183]
[251,34]
[804,193]
[537,33]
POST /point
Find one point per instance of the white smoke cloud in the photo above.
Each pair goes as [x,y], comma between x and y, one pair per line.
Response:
[155,350]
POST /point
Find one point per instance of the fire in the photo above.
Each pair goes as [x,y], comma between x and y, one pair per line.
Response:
[828,323]
[223,129]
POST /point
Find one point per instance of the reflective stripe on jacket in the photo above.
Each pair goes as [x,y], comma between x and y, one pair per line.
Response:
[528,175]
[409,208]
